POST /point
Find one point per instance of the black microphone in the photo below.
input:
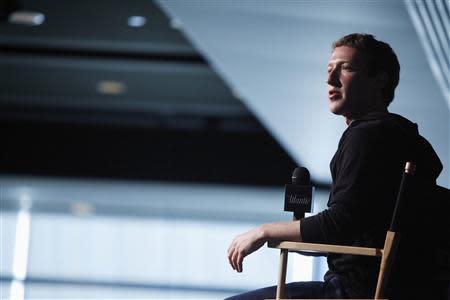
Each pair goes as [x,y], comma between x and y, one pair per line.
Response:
[298,195]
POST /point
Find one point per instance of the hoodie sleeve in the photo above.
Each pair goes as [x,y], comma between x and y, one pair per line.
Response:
[357,193]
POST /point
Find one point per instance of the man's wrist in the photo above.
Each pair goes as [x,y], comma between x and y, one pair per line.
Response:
[263,232]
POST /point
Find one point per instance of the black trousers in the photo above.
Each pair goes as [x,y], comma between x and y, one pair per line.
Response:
[307,290]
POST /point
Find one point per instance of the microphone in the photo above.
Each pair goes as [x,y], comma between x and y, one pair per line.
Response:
[298,194]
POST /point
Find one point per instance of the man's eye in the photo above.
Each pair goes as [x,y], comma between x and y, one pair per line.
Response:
[347,68]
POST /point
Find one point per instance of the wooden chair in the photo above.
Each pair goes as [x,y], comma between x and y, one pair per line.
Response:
[387,253]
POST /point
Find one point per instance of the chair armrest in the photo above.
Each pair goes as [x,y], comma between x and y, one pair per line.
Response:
[298,246]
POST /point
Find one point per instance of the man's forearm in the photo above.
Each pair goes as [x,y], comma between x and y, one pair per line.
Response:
[282,231]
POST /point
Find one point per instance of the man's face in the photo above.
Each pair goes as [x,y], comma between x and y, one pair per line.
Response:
[350,89]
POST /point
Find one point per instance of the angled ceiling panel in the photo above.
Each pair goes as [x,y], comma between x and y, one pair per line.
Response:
[100,26]
[64,62]
[85,94]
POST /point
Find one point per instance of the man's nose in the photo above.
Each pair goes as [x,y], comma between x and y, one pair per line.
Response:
[333,78]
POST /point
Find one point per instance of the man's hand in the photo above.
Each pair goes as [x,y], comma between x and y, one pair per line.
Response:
[252,240]
[243,245]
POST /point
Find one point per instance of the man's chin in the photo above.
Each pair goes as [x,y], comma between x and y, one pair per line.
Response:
[335,109]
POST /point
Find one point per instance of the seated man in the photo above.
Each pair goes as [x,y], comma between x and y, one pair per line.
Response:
[366,172]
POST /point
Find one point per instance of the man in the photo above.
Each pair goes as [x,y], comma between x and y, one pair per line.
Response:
[366,171]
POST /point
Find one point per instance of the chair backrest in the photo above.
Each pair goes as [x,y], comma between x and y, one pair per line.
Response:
[442,209]
[442,236]
[424,250]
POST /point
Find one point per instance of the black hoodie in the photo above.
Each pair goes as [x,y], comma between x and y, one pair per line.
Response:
[366,171]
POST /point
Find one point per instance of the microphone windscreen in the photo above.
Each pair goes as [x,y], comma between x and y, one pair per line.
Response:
[301,176]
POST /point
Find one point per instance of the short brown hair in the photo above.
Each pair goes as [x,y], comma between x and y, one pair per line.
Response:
[380,58]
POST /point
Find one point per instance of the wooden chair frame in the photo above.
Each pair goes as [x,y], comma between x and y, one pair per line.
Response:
[387,253]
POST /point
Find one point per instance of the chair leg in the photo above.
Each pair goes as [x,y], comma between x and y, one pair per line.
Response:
[282,274]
